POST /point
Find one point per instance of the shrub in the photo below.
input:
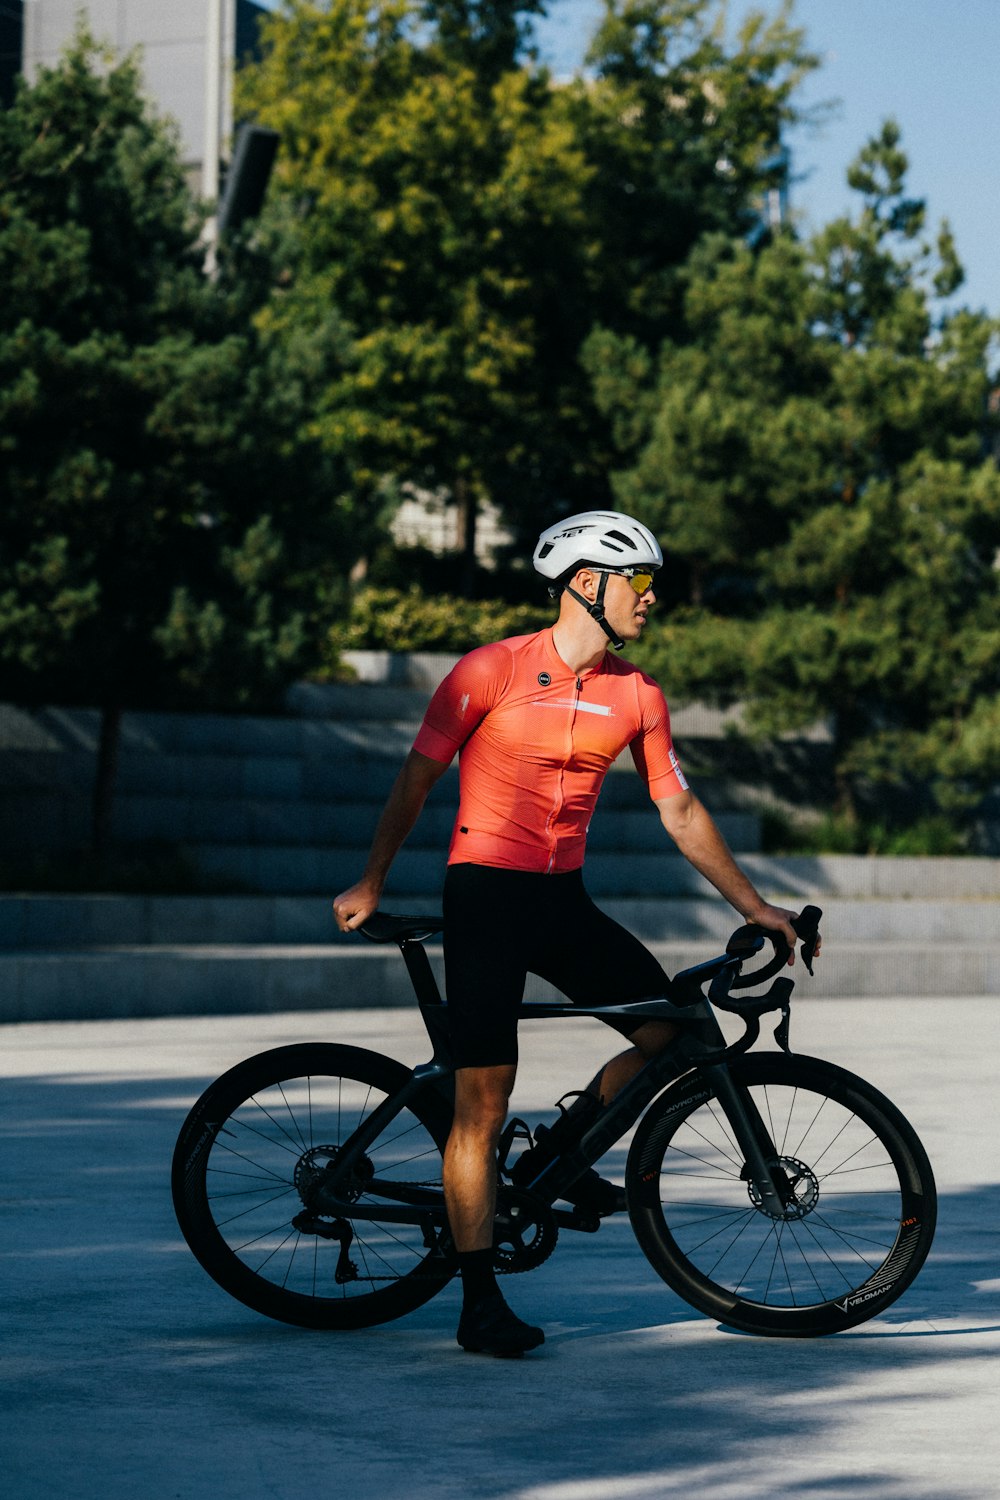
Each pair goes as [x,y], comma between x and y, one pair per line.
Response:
[384,619]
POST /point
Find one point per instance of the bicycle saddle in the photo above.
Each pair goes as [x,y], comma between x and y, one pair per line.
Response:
[384,927]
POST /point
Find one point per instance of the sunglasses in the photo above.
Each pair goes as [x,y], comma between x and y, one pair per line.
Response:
[640,581]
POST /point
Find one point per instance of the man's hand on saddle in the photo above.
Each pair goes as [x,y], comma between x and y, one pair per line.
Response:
[354,906]
[778,919]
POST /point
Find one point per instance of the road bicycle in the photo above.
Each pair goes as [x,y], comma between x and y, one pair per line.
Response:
[778,1194]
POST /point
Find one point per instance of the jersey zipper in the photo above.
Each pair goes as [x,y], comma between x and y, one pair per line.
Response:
[557,805]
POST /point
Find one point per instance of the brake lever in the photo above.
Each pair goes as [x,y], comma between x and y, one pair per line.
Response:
[806,927]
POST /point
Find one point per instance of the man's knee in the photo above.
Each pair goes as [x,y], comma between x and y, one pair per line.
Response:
[652,1037]
[481,1097]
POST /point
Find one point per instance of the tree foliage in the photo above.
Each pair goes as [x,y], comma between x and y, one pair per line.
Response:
[818,452]
[389,619]
[155,531]
[469,219]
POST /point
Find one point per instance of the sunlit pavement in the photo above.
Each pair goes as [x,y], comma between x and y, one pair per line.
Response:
[128,1373]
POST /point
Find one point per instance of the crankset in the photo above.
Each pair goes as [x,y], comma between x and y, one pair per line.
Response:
[524,1231]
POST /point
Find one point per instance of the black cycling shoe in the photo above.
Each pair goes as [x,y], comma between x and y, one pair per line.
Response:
[489,1327]
[596,1195]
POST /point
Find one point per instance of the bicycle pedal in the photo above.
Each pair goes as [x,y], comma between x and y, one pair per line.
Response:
[514,1130]
[574,1218]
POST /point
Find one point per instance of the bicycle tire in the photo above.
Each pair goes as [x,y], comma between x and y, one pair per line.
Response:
[257,1132]
[855,1237]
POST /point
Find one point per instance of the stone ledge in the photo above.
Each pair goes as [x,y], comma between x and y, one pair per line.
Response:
[207,980]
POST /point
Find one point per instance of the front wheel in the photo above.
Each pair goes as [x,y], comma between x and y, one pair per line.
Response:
[249,1156]
[860,1202]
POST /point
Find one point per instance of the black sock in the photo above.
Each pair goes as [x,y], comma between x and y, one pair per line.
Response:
[478,1277]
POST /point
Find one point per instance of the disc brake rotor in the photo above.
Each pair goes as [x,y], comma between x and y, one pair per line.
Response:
[803,1188]
[313,1165]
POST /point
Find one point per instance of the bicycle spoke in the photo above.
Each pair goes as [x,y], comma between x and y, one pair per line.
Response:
[252,1177]
[844,1204]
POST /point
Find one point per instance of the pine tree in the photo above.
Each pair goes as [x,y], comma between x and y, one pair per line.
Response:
[818,452]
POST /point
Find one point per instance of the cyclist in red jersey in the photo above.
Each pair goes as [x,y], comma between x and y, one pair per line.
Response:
[536,721]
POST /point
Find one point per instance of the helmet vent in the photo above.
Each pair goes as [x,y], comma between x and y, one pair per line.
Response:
[620,536]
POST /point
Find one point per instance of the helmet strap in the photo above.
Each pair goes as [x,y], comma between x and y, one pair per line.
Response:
[596,610]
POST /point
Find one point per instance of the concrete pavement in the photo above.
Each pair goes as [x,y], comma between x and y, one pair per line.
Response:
[126,1372]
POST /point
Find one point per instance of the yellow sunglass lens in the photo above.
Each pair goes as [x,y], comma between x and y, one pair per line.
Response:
[641,582]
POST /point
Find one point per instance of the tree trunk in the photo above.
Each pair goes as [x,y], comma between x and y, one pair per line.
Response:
[465,501]
[105,777]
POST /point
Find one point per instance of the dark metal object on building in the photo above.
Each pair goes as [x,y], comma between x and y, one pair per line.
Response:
[247,177]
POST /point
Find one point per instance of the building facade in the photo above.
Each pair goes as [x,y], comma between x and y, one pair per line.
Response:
[189,49]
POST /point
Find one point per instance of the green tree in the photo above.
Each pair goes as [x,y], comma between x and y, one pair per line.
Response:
[468,218]
[683,129]
[160,537]
[818,453]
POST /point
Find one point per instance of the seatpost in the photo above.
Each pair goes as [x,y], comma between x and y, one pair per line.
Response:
[418,966]
[433,1012]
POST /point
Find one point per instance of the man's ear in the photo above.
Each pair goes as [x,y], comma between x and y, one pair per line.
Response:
[585,581]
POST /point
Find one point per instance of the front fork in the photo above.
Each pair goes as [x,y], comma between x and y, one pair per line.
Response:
[753,1139]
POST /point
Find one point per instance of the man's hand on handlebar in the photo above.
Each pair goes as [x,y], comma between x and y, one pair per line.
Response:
[778,919]
[354,906]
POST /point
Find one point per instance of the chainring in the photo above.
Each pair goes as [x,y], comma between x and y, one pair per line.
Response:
[524,1231]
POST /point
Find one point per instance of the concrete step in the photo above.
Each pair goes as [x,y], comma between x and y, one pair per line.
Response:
[318,715]
[45,820]
[361,762]
[791,878]
[38,922]
[205,980]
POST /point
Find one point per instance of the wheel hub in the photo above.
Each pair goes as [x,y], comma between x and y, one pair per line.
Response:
[802,1191]
[313,1165]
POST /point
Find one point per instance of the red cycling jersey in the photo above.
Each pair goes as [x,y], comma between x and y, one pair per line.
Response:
[535,742]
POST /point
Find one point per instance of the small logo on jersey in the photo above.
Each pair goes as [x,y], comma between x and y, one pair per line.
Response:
[544,679]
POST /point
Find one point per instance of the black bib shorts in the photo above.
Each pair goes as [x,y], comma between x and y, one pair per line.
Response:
[501,925]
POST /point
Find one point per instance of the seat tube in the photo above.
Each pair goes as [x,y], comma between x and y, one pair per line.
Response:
[418,966]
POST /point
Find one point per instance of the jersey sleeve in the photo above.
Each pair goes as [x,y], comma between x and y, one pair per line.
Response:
[463,700]
[652,748]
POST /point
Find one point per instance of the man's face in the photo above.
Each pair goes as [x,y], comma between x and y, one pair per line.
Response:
[626,610]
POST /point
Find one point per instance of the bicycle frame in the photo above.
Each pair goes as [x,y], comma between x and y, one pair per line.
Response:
[700,1045]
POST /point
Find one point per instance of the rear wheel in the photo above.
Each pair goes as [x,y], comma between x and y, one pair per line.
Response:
[858,1220]
[255,1144]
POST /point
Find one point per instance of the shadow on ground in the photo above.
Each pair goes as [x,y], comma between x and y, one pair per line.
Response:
[131,1372]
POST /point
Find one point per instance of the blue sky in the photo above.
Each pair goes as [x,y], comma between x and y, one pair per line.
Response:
[932,64]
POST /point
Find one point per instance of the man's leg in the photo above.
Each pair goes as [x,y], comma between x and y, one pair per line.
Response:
[487,1325]
[647,1041]
[591,1192]
[481,1096]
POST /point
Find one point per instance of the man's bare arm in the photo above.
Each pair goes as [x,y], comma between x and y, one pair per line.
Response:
[694,831]
[401,811]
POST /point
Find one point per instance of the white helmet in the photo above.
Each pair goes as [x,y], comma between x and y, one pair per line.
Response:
[603,538]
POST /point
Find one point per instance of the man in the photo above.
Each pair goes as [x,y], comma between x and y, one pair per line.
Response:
[537,721]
